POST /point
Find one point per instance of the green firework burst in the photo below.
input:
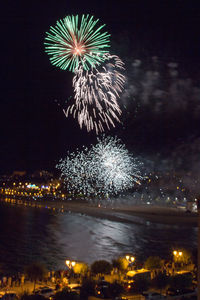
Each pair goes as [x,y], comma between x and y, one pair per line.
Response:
[73,39]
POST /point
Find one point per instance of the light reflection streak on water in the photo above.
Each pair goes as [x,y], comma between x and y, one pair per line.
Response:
[29,234]
[102,239]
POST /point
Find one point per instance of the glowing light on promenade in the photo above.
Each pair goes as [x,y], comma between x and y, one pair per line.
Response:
[96,94]
[106,168]
[74,38]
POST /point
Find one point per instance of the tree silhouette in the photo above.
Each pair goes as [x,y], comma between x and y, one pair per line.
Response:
[154,264]
[121,264]
[35,271]
[101,267]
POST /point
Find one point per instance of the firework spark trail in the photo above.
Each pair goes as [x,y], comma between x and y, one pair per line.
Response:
[73,39]
[96,92]
[106,168]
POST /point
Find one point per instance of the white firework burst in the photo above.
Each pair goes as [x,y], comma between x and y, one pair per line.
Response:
[106,168]
[96,94]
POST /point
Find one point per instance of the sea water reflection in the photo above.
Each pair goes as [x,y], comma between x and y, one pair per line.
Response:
[32,234]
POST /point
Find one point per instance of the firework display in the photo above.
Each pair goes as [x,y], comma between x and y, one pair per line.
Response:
[96,92]
[74,38]
[106,168]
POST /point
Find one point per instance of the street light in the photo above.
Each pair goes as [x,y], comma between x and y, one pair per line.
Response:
[177,254]
[70,264]
[130,259]
[177,257]
[73,263]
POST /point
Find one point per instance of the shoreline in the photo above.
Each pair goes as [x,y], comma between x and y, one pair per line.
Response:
[137,214]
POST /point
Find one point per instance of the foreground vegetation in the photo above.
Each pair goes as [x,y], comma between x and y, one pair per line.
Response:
[109,280]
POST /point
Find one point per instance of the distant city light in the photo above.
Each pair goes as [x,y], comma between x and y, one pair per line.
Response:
[32,186]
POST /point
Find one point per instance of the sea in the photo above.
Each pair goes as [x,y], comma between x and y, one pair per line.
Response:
[30,235]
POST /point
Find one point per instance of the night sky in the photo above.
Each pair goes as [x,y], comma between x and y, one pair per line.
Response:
[34,131]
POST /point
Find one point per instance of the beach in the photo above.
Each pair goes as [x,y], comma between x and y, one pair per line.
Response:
[138,214]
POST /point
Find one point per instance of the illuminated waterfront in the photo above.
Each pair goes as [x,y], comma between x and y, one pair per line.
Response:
[38,234]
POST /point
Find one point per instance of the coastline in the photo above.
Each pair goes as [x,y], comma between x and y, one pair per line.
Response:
[139,214]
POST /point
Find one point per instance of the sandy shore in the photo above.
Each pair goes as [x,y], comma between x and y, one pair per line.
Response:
[138,214]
